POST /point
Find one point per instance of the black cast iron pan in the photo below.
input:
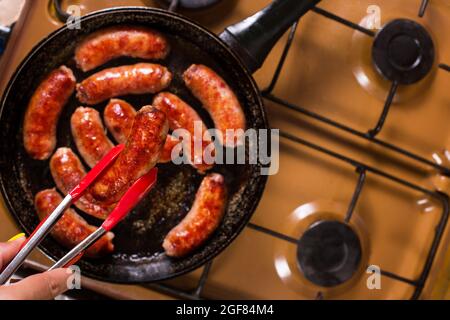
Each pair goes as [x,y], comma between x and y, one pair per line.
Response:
[138,256]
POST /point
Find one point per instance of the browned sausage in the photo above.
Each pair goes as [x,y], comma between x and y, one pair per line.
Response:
[43,111]
[135,79]
[201,221]
[218,99]
[119,116]
[71,229]
[140,155]
[67,171]
[110,43]
[89,135]
[169,145]
[183,116]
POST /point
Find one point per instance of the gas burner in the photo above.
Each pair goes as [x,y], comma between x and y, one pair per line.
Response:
[329,253]
[403,51]
[192,4]
[325,255]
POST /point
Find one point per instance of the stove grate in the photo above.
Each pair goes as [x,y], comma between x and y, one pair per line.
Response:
[387,105]
[370,135]
[195,294]
[445,67]
[423,7]
[61,14]
[343,21]
[361,169]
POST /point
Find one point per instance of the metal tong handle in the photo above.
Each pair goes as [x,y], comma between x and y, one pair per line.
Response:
[35,239]
[77,252]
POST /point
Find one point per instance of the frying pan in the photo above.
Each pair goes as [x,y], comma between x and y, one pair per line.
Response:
[138,257]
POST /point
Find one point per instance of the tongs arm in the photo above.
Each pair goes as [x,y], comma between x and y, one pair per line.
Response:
[130,199]
[45,226]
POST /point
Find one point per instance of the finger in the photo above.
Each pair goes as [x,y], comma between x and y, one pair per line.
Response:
[43,286]
[8,250]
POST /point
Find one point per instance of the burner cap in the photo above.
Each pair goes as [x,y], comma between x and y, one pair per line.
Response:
[194,4]
[403,51]
[329,253]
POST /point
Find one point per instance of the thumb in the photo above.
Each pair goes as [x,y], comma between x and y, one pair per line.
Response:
[8,250]
[43,286]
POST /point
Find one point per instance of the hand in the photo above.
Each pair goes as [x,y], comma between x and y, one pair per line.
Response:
[44,286]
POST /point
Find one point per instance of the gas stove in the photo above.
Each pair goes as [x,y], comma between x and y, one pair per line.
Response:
[359,206]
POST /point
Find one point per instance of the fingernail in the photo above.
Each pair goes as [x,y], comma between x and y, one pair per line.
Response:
[17,236]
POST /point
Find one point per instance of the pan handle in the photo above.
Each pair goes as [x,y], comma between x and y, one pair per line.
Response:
[253,38]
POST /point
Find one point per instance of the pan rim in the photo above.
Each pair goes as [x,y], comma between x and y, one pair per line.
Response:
[262,179]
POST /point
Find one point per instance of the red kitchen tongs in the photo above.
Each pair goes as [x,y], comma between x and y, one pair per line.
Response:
[131,198]
[44,227]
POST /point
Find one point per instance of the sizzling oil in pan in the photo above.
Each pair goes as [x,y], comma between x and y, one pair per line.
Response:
[138,254]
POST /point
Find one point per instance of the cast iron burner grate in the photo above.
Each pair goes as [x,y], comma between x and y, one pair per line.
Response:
[361,169]
[329,253]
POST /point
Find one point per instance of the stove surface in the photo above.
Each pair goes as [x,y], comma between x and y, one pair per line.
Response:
[327,102]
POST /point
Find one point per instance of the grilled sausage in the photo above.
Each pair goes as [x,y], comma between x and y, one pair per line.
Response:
[43,111]
[134,79]
[218,99]
[169,145]
[71,228]
[67,171]
[119,116]
[140,155]
[183,116]
[201,221]
[110,43]
[89,135]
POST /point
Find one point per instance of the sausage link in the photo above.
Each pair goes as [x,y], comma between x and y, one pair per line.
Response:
[111,43]
[67,171]
[218,99]
[183,116]
[134,79]
[119,116]
[140,155]
[201,221]
[71,228]
[43,111]
[166,153]
[89,135]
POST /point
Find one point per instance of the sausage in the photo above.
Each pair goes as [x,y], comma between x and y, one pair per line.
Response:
[110,43]
[113,82]
[166,153]
[71,228]
[201,221]
[218,99]
[119,116]
[43,111]
[67,171]
[140,155]
[183,116]
[89,135]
